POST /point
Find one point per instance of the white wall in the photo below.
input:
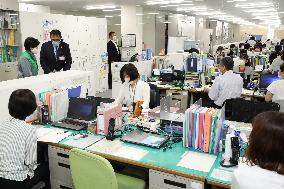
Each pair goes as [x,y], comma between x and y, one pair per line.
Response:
[33,8]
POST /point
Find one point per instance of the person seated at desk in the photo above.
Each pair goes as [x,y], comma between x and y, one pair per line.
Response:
[18,143]
[275,54]
[133,89]
[263,164]
[275,66]
[275,91]
[226,86]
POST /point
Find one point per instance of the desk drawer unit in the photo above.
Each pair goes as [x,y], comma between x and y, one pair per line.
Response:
[160,180]
[59,166]
[179,99]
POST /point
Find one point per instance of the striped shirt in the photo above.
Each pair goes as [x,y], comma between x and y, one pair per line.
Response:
[18,150]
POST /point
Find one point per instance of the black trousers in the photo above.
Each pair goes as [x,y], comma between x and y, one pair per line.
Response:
[109,76]
[27,183]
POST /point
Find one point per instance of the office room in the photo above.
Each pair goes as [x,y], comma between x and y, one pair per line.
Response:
[141,94]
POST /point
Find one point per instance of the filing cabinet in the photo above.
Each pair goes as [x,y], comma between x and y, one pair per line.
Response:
[59,166]
[161,180]
[179,99]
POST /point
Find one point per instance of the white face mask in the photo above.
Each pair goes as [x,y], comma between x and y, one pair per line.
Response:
[127,80]
[34,50]
[114,38]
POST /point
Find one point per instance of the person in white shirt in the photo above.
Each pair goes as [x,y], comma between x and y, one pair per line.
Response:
[275,66]
[275,91]
[263,164]
[18,143]
[133,89]
[226,86]
[252,41]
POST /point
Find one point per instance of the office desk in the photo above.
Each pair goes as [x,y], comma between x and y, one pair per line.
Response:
[245,93]
[157,161]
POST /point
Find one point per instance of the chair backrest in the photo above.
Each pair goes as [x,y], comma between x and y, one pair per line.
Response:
[154,96]
[245,110]
[281,103]
[90,171]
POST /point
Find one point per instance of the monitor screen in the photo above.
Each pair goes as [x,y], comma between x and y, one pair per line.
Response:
[83,109]
[266,79]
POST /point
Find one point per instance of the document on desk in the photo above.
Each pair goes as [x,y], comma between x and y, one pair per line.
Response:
[42,131]
[131,153]
[82,143]
[105,146]
[197,161]
[222,175]
[55,136]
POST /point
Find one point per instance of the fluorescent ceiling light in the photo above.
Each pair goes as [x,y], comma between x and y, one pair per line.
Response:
[153,13]
[99,7]
[108,10]
[108,16]
[167,22]
[117,24]
[139,14]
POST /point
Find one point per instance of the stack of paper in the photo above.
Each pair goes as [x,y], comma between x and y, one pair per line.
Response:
[197,161]
[222,175]
[54,136]
[106,146]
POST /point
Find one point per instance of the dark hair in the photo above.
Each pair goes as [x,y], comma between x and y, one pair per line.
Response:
[282,42]
[247,46]
[232,46]
[278,48]
[282,55]
[258,46]
[110,34]
[31,42]
[266,142]
[55,32]
[243,51]
[252,38]
[130,70]
[241,44]
[244,56]
[228,62]
[22,103]
[282,67]
[220,48]
[192,50]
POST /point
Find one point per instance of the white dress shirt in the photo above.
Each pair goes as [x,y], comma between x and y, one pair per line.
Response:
[18,149]
[277,89]
[114,42]
[140,92]
[254,177]
[275,66]
[226,86]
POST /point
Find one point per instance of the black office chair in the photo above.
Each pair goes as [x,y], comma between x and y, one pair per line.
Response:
[154,96]
[228,109]
[245,110]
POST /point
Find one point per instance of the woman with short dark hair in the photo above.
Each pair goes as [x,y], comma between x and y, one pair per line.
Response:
[263,166]
[18,143]
[28,64]
[133,88]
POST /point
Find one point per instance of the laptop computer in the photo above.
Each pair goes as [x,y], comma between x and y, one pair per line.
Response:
[80,112]
[145,139]
[265,80]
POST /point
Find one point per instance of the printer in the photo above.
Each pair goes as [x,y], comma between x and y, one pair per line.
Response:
[106,113]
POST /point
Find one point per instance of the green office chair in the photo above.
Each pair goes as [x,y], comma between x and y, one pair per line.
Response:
[90,171]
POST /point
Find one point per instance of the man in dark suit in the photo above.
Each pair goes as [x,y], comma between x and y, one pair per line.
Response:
[55,54]
[113,55]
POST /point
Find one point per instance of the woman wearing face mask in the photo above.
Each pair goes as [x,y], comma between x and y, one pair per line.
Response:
[28,64]
[275,91]
[133,88]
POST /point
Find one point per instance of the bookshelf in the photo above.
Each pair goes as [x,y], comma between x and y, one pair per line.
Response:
[9,35]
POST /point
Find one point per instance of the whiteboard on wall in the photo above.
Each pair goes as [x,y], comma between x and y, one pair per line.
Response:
[175,44]
[86,36]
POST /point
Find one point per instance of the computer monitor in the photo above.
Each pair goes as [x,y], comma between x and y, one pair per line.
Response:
[81,108]
[266,79]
